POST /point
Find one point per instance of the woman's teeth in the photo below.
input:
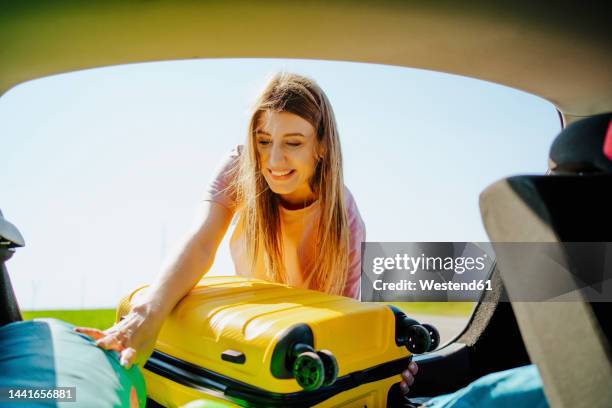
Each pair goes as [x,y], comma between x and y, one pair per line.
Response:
[280,173]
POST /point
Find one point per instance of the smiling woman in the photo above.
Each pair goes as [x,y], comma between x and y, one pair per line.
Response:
[315,246]
[290,195]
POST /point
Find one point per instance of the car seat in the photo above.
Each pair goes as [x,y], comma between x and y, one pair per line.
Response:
[568,340]
[10,238]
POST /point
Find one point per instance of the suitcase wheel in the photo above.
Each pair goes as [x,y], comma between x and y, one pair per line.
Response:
[434,335]
[309,371]
[416,337]
[330,365]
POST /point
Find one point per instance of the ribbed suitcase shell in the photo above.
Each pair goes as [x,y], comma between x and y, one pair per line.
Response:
[250,316]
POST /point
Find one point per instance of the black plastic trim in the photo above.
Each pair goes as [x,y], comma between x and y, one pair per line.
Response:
[233,356]
[193,376]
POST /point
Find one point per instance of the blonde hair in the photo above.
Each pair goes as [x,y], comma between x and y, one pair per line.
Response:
[258,205]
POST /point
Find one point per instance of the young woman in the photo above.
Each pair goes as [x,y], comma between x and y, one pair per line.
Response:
[296,221]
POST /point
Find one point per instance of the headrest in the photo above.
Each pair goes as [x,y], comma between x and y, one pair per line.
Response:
[577,209]
[9,234]
[583,147]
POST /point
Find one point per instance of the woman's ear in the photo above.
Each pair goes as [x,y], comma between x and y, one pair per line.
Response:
[319,151]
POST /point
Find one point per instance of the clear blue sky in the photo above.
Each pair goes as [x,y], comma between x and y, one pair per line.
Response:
[103,170]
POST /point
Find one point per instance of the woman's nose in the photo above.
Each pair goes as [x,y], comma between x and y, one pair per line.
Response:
[277,155]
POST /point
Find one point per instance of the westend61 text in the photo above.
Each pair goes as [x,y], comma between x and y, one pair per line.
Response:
[429,285]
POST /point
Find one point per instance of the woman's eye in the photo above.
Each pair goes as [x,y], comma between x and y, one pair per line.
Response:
[294,144]
[263,142]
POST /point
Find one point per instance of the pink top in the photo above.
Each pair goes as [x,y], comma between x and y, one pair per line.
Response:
[299,229]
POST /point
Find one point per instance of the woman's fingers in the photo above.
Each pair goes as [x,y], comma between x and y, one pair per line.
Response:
[127,357]
[407,380]
[131,337]
[132,333]
[404,387]
[93,333]
[407,377]
[111,342]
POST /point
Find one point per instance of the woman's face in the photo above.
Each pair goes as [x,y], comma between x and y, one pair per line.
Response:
[287,145]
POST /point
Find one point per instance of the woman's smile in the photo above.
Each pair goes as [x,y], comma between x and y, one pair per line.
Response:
[280,175]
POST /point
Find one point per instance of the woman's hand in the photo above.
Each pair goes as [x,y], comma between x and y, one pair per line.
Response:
[408,377]
[133,337]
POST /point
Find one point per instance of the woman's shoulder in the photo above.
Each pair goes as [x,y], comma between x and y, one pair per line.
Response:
[349,199]
[229,161]
[348,196]
[219,186]
[354,216]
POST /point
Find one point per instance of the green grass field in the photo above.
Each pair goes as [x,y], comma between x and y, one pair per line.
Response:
[104,318]
[98,318]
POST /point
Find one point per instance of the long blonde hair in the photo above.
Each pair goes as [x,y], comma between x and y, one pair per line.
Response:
[258,205]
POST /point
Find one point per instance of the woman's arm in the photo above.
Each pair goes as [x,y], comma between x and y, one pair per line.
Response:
[135,335]
[194,259]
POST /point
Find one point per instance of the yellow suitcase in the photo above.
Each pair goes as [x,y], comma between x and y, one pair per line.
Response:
[252,343]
